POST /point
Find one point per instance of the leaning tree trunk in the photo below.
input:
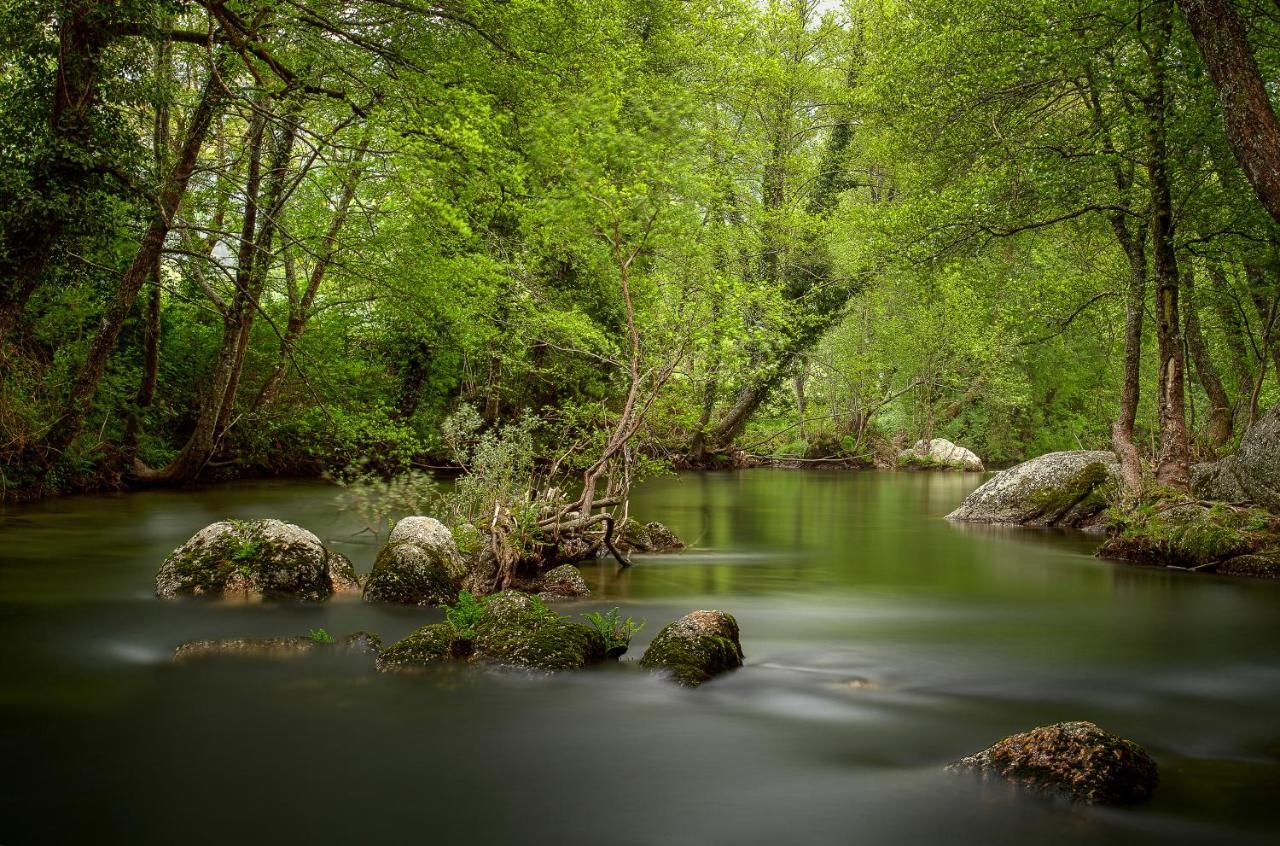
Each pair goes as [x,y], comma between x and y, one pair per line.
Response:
[1219,429]
[1225,307]
[90,372]
[1249,120]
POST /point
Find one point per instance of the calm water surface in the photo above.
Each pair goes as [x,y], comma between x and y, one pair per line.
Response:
[881,643]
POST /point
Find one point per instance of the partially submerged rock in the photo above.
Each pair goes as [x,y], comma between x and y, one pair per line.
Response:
[696,648]
[634,536]
[420,565]
[1255,565]
[1252,473]
[939,453]
[514,630]
[255,559]
[563,582]
[1077,760]
[1068,489]
[519,630]
[275,648]
[1191,534]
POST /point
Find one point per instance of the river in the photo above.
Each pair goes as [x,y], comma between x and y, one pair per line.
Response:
[881,642]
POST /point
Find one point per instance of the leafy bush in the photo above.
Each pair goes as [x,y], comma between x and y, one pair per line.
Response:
[376,498]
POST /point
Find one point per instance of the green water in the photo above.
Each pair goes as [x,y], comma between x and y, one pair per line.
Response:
[881,642]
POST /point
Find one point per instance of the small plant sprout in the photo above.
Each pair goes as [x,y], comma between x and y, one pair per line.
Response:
[617,633]
[464,615]
[321,636]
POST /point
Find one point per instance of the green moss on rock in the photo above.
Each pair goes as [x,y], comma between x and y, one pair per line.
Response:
[413,573]
[433,644]
[253,559]
[1178,532]
[1077,760]
[696,648]
[520,630]
[563,582]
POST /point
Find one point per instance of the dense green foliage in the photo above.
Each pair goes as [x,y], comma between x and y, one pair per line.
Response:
[782,228]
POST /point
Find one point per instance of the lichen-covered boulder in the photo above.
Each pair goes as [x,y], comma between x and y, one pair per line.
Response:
[432,644]
[1265,565]
[939,453]
[513,630]
[275,648]
[1252,473]
[1077,760]
[696,648]
[563,582]
[420,565]
[254,559]
[521,631]
[1068,489]
[634,536]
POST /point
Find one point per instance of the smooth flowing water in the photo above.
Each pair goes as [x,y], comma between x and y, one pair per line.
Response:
[881,642]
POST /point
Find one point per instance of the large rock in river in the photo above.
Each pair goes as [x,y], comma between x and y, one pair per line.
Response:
[420,565]
[255,559]
[940,452]
[1057,489]
[696,648]
[1252,473]
[514,630]
[1077,760]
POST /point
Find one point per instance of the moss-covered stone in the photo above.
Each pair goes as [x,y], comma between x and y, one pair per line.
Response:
[696,648]
[432,644]
[253,559]
[563,582]
[1068,489]
[1077,760]
[1190,534]
[1258,566]
[275,648]
[514,630]
[634,536]
[342,574]
[420,565]
[520,630]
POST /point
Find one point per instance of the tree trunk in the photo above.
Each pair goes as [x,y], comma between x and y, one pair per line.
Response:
[1224,306]
[1134,246]
[1219,428]
[90,372]
[1249,120]
[59,181]
[1173,467]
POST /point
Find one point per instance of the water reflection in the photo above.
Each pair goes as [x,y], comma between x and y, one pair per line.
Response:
[881,642]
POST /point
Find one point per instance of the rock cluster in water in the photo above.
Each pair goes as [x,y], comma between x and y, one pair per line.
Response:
[1077,760]
[255,559]
[696,648]
[1067,489]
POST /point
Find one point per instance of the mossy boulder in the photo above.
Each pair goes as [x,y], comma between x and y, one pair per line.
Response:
[521,631]
[432,644]
[1256,565]
[1077,760]
[634,536]
[275,648]
[514,630]
[939,454]
[696,648]
[563,582]
[254,559]
[1252,473]
[420,565]
[1189,534]
[1068,489]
